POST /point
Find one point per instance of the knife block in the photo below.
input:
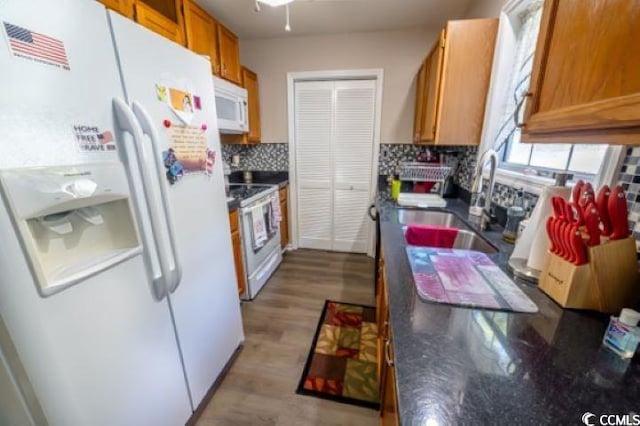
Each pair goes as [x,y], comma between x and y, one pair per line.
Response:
[607,283]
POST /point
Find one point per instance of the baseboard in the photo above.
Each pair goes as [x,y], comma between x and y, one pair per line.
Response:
[214,387]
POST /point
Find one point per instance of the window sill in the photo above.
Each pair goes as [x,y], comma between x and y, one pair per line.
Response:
[530,183]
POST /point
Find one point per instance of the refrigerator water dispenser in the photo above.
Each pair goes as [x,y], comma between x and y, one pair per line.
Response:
[73,222]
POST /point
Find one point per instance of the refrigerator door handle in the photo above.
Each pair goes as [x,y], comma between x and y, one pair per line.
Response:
[150,130]
[128,123]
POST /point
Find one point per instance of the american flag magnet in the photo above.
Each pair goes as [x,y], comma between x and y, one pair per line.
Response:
[33,46]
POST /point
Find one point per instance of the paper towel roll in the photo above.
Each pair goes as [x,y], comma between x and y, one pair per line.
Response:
[533,244]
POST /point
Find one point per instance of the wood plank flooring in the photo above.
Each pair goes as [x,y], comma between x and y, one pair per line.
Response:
[279,325]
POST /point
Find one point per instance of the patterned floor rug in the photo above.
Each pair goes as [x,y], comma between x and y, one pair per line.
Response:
[342,363]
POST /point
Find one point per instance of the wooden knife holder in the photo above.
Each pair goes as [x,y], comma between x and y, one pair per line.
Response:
[607,283]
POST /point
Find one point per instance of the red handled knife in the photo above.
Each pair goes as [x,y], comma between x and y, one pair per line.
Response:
[578,247]
[603,210]
[576,195]
[592,223]
[617,206]
[588,195]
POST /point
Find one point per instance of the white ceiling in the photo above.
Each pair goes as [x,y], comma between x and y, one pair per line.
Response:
[333,16]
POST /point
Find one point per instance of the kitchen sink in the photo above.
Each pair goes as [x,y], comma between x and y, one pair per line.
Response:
[467,238]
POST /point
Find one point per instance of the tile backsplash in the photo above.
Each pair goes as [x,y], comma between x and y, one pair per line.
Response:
[275,157]
[461,159]
[268,157]
[629,178]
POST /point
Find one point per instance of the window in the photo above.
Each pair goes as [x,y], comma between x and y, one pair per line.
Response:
[581,160]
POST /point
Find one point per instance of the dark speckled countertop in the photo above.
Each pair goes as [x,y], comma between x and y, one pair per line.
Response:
[473,366]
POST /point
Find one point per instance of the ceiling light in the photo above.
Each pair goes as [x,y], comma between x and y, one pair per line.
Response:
[276,3]
[287,27]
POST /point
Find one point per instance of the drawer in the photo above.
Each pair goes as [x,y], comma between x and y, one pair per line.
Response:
[233,221]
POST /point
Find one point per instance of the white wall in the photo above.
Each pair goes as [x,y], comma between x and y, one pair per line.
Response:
[484,9]
[399,53]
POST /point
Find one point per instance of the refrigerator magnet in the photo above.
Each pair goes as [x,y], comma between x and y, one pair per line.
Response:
[175,170]
[210,162]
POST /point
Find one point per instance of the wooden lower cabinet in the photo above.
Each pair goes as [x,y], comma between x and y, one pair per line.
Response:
[386,369]
[388,401]
[284,225]
[236,242]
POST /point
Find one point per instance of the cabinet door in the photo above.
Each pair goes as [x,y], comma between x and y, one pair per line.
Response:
[585,84]
[165,23]
[284,225]
[202,33]
[229,55]
[123,7]
[432,91]
[388,395]
[250,82]
[420,98]
[237,260]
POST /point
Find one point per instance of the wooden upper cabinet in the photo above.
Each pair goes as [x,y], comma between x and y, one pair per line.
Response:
[420,98]
[161,16]
[250,82]
[585,85]
[457,75]
[202,33]
[229,55]
[433,78]
[123,7]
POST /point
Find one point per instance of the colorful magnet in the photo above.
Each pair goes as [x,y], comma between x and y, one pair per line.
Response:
[210,161]
[161,93]
[175,170]
[167,123]
[196,102]
[204,127]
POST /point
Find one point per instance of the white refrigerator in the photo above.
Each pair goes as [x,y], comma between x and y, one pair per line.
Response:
[137,337]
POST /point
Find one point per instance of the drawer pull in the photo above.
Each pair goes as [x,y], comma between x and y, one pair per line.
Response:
[387,355]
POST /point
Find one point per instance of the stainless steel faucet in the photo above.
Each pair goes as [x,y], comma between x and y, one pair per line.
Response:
[482,213]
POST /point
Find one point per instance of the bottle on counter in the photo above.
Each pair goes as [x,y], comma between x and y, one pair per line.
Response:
[623,334]
[515,214]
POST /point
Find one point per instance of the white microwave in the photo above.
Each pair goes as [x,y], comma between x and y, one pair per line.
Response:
[231,107]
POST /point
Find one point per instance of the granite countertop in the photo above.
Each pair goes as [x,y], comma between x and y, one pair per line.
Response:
[458,365]
[261,177]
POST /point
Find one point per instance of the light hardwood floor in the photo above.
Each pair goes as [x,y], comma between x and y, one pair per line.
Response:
[279,325]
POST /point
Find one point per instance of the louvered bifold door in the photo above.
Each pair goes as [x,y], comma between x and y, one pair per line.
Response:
[313,132]
[354,112]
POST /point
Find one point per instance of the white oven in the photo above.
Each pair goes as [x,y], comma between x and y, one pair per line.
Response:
[231,107]
[260,263]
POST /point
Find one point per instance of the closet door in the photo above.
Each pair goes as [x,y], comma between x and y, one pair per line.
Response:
[314,128]
[354,113]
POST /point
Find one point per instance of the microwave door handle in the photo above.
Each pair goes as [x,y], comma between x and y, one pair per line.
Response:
[150,130]
[128,123]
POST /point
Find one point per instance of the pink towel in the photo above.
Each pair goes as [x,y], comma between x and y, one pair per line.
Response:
[431,236]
